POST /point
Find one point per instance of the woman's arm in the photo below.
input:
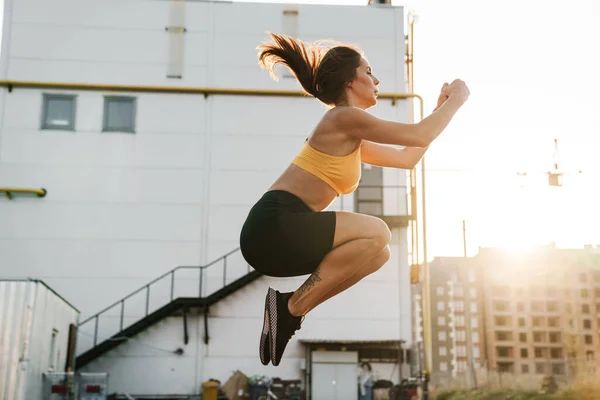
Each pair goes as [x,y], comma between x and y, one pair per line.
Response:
[363,125]
[387,156]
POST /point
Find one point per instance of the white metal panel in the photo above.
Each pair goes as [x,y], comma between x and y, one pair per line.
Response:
[340,357]
[334,381]
[16,303]
[129,74]
[107,14]
[60,148]
[110,221]
[93,184]
[29,312]
[51,313]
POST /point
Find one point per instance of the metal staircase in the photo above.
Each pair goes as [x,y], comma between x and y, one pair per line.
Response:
[176,291]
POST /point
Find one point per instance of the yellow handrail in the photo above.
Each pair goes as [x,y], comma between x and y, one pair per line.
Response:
[10,191]
[182,90]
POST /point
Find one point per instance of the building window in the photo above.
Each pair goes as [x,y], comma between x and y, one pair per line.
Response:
[503,352]
[473,307]
[443,351]
[442,336]
[525,368]
[441,321]
[440,306]
[538,321]
[539,368]
[460,320]
[58,112]
[553,322]
[589,355]
[585,308]
[473,293]
[539,352]
[556,354]
[587,324]
[471,275]
[539,337]
[458,291]
[521,322]
[461,351]
[558,369]
[537,306]
[588,339]
[475,337]
[524,353]
[474,322]
[523,337]
[476,353]
[461,366]
[443,366]
[461,336]
[119,114]
[459,306]
[520,307]
[440,290]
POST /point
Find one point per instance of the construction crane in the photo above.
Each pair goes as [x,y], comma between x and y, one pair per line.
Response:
[555,174]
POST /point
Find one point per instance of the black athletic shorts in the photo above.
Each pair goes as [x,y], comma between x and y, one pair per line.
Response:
[283,237]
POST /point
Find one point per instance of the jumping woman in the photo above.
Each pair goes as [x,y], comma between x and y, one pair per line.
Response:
[287,232]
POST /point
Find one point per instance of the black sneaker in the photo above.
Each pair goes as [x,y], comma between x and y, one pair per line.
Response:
[282,324]
[264,352]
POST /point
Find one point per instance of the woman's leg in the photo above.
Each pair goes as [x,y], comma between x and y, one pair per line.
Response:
[368,268]
[360,247]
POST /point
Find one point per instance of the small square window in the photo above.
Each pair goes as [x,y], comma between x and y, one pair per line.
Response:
[119,114]
[58,112]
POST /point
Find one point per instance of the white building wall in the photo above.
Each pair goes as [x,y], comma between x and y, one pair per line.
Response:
[368,311]
[124,208]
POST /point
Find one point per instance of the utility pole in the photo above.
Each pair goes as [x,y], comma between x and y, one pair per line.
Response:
[468,325]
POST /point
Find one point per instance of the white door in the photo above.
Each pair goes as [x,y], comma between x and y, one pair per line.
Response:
[332,381]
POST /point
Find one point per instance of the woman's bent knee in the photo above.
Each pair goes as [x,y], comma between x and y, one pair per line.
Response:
[383,234]
[379,260]
[350,226]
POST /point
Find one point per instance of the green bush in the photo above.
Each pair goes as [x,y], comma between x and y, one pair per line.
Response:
[506,394]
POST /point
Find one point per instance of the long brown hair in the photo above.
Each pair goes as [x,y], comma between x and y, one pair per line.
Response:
[322,73]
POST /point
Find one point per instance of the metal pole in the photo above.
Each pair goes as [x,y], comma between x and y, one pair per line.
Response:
[468,326]
[425,289]
[464,229]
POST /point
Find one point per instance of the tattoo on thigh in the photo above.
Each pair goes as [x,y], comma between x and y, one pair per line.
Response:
[310,282]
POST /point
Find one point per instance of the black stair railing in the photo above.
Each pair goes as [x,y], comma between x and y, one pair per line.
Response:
[197,289]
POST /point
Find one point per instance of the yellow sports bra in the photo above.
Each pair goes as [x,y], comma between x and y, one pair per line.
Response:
[342,173]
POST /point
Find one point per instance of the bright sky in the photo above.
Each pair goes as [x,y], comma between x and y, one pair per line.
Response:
[532,68]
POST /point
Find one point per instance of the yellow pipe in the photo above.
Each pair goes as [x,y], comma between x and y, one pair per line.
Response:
[10,191]
[176,89]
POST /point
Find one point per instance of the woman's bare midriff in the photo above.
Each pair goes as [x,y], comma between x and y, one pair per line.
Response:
[317,194]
